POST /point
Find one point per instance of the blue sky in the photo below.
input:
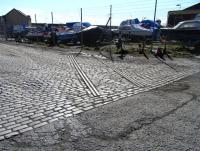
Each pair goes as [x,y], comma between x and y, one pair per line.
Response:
[94,11]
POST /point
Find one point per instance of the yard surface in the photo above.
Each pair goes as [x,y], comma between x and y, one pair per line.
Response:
[55,100]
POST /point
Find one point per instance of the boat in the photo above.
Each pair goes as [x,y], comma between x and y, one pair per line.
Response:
[185,31]
[94,34]
[134,29]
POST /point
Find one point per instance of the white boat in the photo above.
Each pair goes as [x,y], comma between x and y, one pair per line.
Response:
[133,28]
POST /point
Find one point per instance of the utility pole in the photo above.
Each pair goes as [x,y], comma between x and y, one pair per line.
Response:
[155,11]
[110,16]
[81,33]
[35,19]
[52,18]
[154,20]
[81,27]
[36,24]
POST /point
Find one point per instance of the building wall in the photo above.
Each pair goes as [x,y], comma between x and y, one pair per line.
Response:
[174,17]
[16,18]
[1,25]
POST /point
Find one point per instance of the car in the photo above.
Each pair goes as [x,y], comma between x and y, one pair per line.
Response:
[71,32]
[187,32]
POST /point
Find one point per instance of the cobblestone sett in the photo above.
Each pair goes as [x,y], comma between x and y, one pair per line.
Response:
[25,129]
[5,132]
[77,112]
[68,115]
[8,117]
[63,110]
[2,138]
[40,111]
[53,120]
[36,115]
[38,118]
[115,99]
[88,108]
[53,113]
[28,115]
[57,109]
[46,119]
[2,116]
[11,134]
[67,112]
[34,123]
[15,119]
[76,109]
[3,122]
[8,124]
[20,114]
[61,117]
[86,105]
[39,125]
[13,126]
[2,129]
[26,122]
[22,120]
[20,127]
[57,115]
[98,105]
[49,112]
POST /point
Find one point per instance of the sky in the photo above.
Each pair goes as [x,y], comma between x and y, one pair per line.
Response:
[94,11]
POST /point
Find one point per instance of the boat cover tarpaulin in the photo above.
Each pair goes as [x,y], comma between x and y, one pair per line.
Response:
[91,35]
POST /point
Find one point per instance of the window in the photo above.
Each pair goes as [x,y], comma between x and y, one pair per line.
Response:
[190,25]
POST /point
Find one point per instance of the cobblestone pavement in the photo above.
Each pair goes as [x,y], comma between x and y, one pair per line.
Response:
[38,87]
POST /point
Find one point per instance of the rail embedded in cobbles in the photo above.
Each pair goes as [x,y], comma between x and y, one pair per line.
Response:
[84,77]
[124,75]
